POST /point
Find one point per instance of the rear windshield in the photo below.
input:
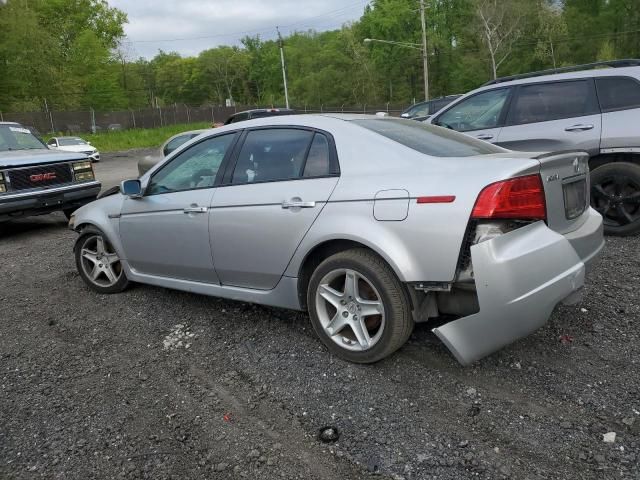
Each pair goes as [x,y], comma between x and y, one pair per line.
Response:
[428,139]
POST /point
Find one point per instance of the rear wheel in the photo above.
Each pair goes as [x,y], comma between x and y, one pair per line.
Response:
[358,307]
[615,193]
[98,263]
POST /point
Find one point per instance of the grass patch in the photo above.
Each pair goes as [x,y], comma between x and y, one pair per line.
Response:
[136,137]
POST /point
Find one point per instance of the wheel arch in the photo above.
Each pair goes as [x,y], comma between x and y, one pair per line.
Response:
[608,158]
[328,247]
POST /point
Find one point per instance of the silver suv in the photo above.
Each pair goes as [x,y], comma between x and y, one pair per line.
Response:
[595,108]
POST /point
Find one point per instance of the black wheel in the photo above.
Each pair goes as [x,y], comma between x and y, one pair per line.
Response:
[358,307]
[98,263]
[68,212]
[615,193]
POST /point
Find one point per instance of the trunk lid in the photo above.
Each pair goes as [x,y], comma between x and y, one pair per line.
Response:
[565,177]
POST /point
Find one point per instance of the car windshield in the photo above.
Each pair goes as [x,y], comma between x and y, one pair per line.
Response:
[16,137]
[66,141]
[428,139]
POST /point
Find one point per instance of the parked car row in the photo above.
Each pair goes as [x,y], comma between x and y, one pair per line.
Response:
[373,224]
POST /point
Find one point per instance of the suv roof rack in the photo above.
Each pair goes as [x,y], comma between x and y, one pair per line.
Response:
[630,62]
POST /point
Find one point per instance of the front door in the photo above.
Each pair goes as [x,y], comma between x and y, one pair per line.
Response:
[282,179]
[166,232]
[553,116]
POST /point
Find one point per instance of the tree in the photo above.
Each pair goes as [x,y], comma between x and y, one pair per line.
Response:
[499,25]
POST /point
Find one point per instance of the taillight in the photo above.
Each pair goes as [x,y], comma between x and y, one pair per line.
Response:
[521,198]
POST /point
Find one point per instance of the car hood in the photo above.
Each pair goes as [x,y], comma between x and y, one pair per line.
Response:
[78,148]
[20,158]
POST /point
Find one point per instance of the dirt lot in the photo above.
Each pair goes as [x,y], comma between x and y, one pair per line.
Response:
[160,384]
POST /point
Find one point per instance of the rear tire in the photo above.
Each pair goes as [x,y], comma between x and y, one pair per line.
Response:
[366,321]
[615,193]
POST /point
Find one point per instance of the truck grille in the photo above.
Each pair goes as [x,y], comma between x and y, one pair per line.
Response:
[40,176]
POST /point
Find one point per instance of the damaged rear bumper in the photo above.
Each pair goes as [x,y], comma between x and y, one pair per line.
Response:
[520,277]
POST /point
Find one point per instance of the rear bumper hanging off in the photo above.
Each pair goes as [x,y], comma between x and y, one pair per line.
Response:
[520,277]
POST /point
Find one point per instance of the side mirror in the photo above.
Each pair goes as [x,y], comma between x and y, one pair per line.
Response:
[405,115]
[131,188]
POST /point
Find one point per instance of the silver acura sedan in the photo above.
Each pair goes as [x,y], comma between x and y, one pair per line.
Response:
[371,224]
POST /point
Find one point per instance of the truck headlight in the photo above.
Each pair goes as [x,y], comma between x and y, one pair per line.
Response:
[83,171]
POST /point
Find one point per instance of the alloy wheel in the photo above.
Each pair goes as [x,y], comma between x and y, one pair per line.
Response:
[617,198]
[350,309]
[100,264]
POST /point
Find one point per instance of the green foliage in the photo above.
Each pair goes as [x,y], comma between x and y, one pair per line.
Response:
[136,137]
[71,53]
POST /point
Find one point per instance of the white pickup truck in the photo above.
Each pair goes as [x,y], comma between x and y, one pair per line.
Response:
[35,180]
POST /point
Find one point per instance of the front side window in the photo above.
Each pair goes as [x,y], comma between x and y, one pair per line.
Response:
[420,110]
[175,143]
[192,169]
[551,101]
[272,154]
[69,141]
[478,112]
[618,93]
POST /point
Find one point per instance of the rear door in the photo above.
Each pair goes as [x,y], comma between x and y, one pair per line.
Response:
[481,115]
[553,116]
[620,102]
[281,181]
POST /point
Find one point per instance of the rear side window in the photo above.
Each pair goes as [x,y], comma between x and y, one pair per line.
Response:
[272,154]
[318,162]
[618,93]
[428,139]
[552,101]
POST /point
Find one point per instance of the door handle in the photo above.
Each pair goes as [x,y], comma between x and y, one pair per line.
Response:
[194,209]
[298,204]
[578,128]
[484,136]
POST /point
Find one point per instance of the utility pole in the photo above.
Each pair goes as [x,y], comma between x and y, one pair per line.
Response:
[425,58]
[284,71]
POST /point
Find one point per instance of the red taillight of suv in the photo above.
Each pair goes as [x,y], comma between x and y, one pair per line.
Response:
[520,198]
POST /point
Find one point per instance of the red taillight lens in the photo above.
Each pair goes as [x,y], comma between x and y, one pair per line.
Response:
[521,198]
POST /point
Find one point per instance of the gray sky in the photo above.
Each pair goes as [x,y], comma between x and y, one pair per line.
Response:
[182,25]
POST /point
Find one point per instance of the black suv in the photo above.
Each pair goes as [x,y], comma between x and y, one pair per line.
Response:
[423,110]
[258,113]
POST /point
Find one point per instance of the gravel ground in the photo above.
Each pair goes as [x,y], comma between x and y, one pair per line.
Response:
[154,383]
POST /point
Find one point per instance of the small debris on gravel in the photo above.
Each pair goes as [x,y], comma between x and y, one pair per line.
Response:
[329,434]
[609,437]
[179,337]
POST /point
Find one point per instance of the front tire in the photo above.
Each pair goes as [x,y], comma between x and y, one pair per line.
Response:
[358,307]
[615,194]
[98,263]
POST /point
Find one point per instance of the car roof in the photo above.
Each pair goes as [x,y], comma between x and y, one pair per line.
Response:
[9,123]
[602,72]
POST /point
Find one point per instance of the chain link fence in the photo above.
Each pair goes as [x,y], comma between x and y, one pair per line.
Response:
[93,121]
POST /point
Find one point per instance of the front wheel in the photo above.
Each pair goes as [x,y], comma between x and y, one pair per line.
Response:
[615,193]
[358,307]
[98,263]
